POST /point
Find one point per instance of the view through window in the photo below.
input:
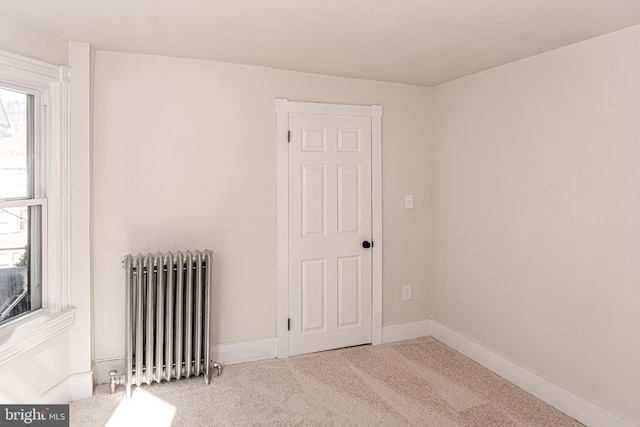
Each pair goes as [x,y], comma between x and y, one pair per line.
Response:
[21,205]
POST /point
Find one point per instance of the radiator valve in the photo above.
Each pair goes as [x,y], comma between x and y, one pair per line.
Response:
[115,380]
[217,367]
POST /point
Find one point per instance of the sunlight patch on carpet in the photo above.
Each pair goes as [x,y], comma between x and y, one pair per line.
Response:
[143,408]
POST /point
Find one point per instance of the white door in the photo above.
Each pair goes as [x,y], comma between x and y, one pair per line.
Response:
[329,219]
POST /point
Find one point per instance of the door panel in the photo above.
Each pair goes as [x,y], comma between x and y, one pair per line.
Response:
[349,210]
[349,291]
[314,291]
[329,217]
[314,212]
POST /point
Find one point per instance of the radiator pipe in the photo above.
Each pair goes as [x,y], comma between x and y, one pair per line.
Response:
[217,367]
[115,380]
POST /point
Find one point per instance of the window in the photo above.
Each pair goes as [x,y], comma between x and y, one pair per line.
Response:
[22,203]
[34,204]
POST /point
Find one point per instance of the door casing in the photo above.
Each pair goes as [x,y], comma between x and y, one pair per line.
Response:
[283,107]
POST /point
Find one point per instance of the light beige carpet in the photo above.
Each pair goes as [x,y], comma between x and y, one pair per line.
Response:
[419,382]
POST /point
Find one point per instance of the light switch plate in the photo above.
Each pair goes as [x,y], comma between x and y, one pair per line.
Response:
[408,201]
[406,292]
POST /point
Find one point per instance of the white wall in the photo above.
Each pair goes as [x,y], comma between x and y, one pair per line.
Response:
[42,372]
[184,157]
[536,215]
[22,39]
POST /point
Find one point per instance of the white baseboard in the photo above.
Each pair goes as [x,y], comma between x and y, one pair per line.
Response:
[225,354]
[581,409]
[406,331]
[247,351]
[74,387]
[251,351]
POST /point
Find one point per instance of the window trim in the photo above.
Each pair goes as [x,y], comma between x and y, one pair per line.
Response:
[57,314]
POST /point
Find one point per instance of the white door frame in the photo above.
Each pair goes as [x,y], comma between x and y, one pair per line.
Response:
[283,107]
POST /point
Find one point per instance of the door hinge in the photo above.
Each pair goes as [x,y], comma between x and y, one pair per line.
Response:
[288,324]
[288,136]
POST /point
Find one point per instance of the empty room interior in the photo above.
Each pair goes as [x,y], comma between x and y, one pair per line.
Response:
[465,173]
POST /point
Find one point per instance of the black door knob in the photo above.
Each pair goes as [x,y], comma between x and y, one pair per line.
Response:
[367,244]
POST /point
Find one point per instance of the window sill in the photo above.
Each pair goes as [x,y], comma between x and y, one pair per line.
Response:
[33,329]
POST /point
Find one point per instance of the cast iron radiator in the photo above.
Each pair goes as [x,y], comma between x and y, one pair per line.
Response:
[167,317]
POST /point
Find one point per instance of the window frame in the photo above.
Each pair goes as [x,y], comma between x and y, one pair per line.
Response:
[36,189]
[52,83]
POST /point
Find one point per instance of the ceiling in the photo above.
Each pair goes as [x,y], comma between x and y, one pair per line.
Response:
[422,42]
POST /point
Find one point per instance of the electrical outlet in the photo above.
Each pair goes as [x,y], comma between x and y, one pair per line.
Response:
[406,292]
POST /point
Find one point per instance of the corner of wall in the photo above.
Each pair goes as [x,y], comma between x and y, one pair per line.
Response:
[430,201]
